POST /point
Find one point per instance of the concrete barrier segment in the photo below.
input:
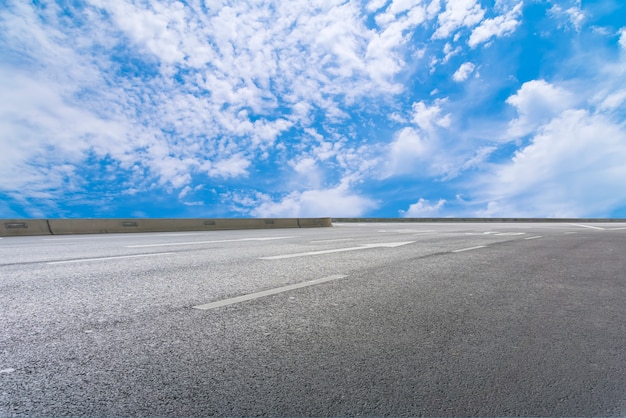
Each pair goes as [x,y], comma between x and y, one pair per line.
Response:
[15,227]
[314,222]
[100,226]
[23,227]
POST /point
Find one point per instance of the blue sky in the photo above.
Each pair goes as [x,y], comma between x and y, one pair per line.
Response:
[296,108]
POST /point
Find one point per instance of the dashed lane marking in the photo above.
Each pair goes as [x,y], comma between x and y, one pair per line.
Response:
[257,295]
[81,260]
[170,244]
[338,250]
[535,237]
[331,240]
[590,227]
[469,249]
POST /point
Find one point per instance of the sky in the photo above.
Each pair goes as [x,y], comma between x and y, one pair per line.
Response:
[311,108]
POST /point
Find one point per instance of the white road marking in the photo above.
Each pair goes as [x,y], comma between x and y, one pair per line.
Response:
[331,240]
[80,260]
[90,237]
[535,237]
[251,296]
[589,226]
[406,231]
[169,244]
[469,249]
[9,370]
[172,234]
[338,250]
[502,234]
[117,236]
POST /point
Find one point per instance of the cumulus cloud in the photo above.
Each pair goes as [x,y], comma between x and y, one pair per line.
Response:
[427,117]
[499,26]
[416,149]
[463,72]
[235,166]
[574,167]
[457,14]
[335,202]
[622,38]
[536,102]
[423,208]
[407,150]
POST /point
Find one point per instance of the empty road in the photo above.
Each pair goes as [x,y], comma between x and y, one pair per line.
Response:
[359,319]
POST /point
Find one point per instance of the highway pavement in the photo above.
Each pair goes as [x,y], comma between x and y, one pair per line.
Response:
[401,319]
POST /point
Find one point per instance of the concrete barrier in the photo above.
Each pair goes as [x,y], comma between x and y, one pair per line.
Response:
[101,226]
[314,222]
[16,227]
[23,227]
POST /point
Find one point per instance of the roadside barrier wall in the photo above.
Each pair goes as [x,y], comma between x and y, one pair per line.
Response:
[17,227]
[23,227]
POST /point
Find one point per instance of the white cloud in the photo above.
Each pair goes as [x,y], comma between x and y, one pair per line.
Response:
[235,166]
[455,166]
[374,5]
[407,152]
[458,13]
[622,38]
[450,52]
[308,174]
[537,101]
[573,15]
[335,202]
[423,209]
[205,90]
[426,116]
[416,149]
[463,72]
[614,100]
[499,26]
[156,27]
[574,167]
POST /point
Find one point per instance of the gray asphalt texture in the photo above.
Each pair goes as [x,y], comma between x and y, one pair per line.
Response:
[531,323]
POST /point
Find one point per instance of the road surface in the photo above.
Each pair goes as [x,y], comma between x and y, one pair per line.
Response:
[359,319]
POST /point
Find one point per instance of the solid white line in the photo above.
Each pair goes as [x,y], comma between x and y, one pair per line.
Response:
[205,242]
[337,250]
[469,249]
[251,296]
[538,236]
[589,226]
[80,260]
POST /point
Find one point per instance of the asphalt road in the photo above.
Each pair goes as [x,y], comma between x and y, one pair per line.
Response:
[358,319]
